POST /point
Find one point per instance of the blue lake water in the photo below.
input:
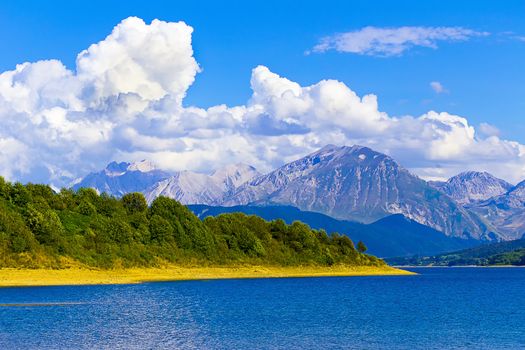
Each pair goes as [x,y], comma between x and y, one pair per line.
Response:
[441,308]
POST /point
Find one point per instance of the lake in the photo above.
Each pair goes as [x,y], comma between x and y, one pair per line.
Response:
[441,308]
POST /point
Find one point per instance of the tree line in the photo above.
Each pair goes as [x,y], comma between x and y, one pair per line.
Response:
[43,228]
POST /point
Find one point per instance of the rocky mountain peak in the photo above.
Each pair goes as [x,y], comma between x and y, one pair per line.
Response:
[119,178]
[518,191]
[143,166]
[116,169]
[345,182]
[473,186]
[234,175]
[357,152]
[505,211]
[196,188]
[120,168]
[328,157]
[357,183]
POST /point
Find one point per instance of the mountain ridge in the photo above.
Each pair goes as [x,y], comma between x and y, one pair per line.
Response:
[346,182]
[506,211]
[357,183]
[470,187]
[195,188]
[117,179]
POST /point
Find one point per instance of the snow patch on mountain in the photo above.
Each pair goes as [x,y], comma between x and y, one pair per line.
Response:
[232,176]
[142,166]
[194,188]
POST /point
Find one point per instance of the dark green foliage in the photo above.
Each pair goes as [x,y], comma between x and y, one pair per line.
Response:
[19,195]
[515,257]
[15,237]
[394,235]
[45,225]
[361,247]
[39,227]
[134,203]
[160,230]
[119,231]
[85,207]
[501,253]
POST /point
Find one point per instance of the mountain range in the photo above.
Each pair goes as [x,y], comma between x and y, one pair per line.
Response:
[117,179]
[505,211]
[190,188]
[357,183]
[346,183]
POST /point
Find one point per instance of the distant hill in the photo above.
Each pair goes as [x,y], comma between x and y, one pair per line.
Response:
[394,235]
[502,253]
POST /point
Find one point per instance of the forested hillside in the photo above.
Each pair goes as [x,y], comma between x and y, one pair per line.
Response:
[392,236]
[39,227]
[501,253]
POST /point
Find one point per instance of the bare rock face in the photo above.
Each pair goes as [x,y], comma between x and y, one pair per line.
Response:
[117,179]
[506,212]
[492,199]
[193,188]
[187,187]
[357,183]
[230,177]
[472,187]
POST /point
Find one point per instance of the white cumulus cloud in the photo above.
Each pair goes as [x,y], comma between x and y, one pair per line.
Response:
[375,41]
[489,130]
[151,61]
[124,102]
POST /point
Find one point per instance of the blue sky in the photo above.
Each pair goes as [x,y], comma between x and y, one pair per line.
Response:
[483,78]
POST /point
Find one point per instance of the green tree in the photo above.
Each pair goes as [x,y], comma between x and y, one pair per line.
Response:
[88,194]
[19,195]
[46,226]
[189,231]
[119,230]
[160,229]
[12,227]
[134,202]
[39,226]
[85,207]
[4,188]
[361,247]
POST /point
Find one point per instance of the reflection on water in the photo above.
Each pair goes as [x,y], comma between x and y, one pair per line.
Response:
[440,308]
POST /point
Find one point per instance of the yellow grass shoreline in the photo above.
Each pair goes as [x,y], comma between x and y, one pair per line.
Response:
[11,277]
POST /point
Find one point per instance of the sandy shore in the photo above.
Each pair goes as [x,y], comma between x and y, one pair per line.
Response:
[81,276]
[456,266]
